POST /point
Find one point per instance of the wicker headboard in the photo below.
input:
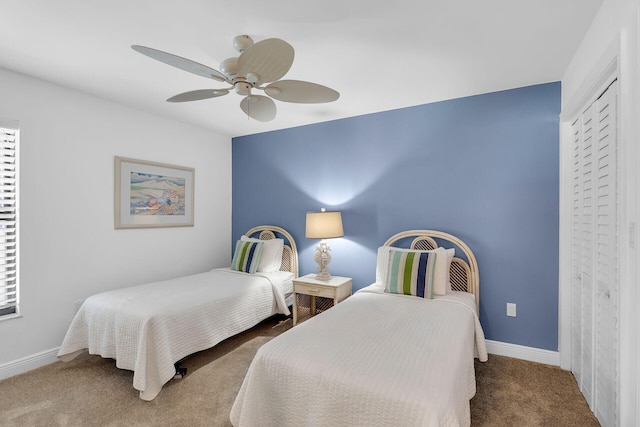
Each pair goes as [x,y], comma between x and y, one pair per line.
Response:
[289,252]
[464,274]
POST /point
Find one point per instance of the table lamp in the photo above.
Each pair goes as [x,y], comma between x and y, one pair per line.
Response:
[323,225]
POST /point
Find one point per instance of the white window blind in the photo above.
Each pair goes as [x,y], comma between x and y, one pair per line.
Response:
[8,221]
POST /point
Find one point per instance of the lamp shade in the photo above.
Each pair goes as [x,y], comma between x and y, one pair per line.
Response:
[324,225]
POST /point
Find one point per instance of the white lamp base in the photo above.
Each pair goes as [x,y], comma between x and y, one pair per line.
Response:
[323,258]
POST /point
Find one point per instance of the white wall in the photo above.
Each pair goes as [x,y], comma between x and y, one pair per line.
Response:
[69,248]
[614,34]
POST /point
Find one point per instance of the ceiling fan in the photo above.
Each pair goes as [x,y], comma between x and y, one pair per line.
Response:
[259,66]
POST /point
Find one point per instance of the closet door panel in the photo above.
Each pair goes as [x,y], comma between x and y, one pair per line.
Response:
[606,261]
[576,246]
[586,255]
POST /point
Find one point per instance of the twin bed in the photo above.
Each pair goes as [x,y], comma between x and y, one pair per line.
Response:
[394,353]
[378,358]
[149,328]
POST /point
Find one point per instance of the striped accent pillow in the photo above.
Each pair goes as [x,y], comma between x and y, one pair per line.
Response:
[246,256]
[412,272]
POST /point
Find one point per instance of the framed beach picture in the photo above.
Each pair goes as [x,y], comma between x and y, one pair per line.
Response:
[150,194]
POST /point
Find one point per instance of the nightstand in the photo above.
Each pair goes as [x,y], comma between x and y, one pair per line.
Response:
[337,289]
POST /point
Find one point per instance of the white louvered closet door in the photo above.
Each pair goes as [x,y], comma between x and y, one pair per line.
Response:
[583,254]
[577,224]
[606,297]
[594,288]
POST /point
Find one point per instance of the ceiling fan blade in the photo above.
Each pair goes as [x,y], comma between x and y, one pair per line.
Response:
[259,107]
[270,59]
[300,92]
[180,62]
[196,95]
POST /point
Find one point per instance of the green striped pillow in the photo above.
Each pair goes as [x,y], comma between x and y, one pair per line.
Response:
[412,272]
[246,256]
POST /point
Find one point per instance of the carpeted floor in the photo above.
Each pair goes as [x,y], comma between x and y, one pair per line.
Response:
[512,392]
[91,391]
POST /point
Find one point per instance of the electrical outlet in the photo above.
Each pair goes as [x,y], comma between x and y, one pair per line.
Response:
[511,309]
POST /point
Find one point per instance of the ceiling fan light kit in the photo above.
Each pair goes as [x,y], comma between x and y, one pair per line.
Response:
[229,67]
[259,64]
[242,42]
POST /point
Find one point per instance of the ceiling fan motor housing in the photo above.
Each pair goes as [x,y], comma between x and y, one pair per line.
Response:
[242,88]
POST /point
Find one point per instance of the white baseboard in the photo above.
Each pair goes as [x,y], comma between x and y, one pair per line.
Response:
[531,354]
[28,363]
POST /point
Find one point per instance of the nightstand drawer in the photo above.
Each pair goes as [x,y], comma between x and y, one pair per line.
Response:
[314,290]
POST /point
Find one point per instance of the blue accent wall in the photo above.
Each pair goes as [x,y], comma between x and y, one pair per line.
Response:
[484,168]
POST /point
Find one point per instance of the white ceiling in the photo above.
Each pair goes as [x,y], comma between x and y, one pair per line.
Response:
[379,55]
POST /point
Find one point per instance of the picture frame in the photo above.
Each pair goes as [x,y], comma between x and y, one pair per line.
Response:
[151,194]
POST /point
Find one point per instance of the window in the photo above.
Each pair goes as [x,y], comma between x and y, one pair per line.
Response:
[8,219]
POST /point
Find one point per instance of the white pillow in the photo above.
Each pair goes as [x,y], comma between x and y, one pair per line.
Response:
[450,254]
[382,267]
[271,258]
[382,264]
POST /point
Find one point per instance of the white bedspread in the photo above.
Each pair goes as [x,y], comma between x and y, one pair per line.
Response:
[148,328]
[374,359]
